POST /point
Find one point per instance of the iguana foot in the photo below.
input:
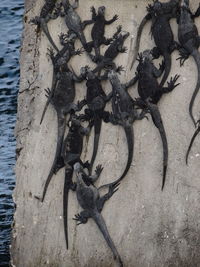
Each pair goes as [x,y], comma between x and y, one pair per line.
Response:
[79,51]
[48,92]
[63,38]
[120,69]
[73,186]
[113,189]
[142,115]
[105,116]
[99,169]
[86,165]
[50,52]
[124,49]
[155,53]
[81,104]
[197,123]
[112,119]
[172,83]
[162,66]
[81,217]
[183,56]
[115,17]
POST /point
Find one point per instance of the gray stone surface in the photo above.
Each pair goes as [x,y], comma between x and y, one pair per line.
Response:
[150,228]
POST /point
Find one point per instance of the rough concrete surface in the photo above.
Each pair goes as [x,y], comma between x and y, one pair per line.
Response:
[149,227]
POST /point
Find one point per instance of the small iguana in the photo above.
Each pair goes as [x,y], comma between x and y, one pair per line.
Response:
[59,62]
[189,40]
[98,29]
[112,51]
[71,153]
[150,93]
[124,113]
[62,101]
[92,204]
[96,100]
[160,14]
[45,15]
[74,23]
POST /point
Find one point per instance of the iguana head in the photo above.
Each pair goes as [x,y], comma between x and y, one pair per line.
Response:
[77,167]
[74,122]
[125,35]
[87,73]
[67,38]
[111,74]
[144,56]
[101,10]
[35,21]
[185,3]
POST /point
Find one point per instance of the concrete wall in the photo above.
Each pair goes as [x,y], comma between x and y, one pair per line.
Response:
[149,227]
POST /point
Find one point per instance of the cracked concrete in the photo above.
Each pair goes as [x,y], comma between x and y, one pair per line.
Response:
[150,228]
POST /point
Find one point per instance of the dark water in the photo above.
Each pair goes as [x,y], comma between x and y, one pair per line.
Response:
[10,33]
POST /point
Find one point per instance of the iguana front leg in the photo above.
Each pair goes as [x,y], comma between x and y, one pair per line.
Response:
[119,29]
[171,86]
[115,17]
[75,4]
[86,22]
[94,178]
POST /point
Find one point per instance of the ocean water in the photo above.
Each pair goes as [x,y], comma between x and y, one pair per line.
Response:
[11,12]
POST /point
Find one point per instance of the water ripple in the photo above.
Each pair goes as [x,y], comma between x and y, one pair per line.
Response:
[11,12]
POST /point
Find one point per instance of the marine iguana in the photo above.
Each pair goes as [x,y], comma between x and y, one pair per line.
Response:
[60,60]
[62,101]
[71,153]
[98,29]
[192,141]
[96,100]
[189,40]
[160,14]
[45,15]
[92,204]
[112,51]
[150,93]
[124,113]
[73,22]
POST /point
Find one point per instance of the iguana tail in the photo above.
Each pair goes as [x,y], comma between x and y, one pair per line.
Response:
[67,184]
[138,37]
[130,143]
[168,63]
[45,29]
[97,130]
[99,220]
[56,164]
[196,57]
[84,43]
[54,82]
[130,137]
[191,143]
[157,120]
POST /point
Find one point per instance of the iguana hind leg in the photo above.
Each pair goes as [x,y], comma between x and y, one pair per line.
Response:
[82,217]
